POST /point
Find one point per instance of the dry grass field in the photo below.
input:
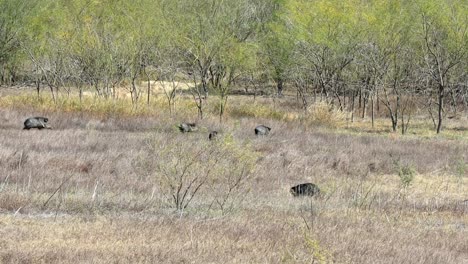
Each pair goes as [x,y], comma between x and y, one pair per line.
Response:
[101,188]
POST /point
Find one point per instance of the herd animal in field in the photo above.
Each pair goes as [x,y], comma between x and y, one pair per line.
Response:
[36,122]
[262,130]
[213,135]
[304,189]
[188,127]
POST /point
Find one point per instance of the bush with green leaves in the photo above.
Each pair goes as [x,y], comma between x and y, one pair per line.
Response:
[406,174]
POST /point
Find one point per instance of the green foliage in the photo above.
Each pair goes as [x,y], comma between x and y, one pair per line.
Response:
[325,46]
[406,174]
[390,22]
[277,44]
[326,23]
[444,24]
[13,16]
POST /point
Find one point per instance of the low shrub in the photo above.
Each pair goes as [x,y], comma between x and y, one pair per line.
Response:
[185,169]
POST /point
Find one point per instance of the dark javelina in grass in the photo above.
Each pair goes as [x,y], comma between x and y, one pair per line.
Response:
[305,189]
[262,130]
[36,122]
[187,127]
[213,135]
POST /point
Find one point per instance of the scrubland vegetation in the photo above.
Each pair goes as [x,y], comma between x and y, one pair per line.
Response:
[129,187]
[366,99]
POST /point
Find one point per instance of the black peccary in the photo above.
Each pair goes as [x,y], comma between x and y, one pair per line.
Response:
[187,127]
[305,189]
[36,122]
[262,130]
[213,135]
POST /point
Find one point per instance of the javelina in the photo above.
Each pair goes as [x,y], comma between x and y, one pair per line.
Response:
[213,135]
[262,130]
[36,122]
[187,127]
[305,189]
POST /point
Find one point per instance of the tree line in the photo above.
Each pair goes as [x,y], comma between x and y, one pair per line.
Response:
[344,52]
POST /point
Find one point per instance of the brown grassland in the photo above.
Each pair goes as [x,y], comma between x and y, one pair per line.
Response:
[99,187]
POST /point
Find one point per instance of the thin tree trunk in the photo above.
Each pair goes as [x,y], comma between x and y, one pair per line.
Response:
[279,87]
[38,88]
[80,93]
[364,108]
[315,95]
[344,98]
[372,110]
[454,101]
[440,108]
[134,92]
[53,94]
[394,122]
[377,101]
[149,86]
[402,122]
[352,107]
[360,97]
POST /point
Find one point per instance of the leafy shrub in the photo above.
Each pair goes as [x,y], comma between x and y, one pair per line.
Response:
[232,173]
[406,174]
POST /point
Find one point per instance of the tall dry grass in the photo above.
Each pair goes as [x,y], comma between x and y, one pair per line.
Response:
[92,191]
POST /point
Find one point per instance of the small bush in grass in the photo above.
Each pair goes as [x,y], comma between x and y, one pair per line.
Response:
[185,167]
[232,173]
[406,174]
